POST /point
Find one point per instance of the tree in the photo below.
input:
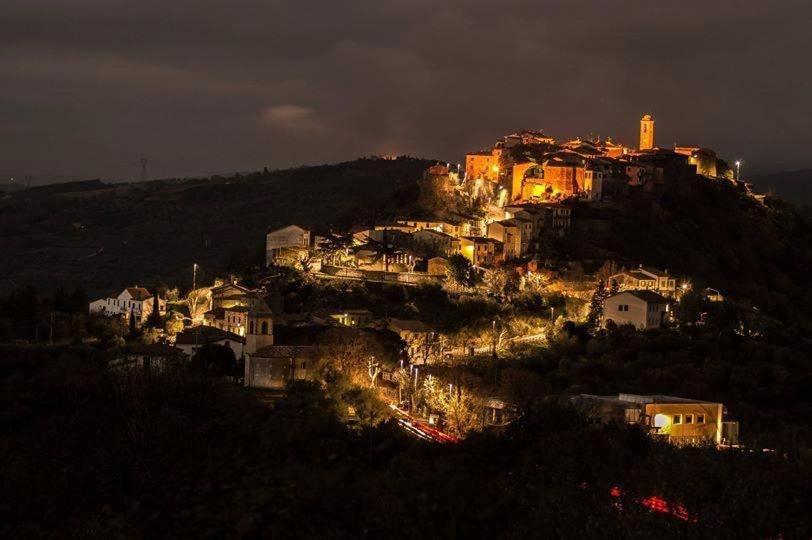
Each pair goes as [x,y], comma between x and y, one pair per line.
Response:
[596,304]
[461,271]
[155,320]
[133,328]
[215,359]
[460,411]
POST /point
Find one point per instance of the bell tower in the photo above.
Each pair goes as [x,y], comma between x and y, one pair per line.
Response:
[647,132]
[260,328]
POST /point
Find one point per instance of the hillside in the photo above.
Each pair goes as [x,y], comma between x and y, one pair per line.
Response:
[794,186]
[102,236]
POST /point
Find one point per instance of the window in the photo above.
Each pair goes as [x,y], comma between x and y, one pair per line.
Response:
[251,325]
[264,327]
[677,419]
[689,418]
[700,418]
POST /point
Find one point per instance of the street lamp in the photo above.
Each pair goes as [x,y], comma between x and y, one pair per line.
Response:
[194,276]
[738,168]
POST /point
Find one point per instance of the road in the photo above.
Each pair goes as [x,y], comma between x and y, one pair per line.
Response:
[421,430]
[487,348]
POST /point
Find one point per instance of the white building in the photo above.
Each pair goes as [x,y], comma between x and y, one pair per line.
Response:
[643,309]
[136,301]
[286,245]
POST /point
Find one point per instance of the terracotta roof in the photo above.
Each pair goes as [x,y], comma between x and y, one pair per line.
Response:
[139,293]
[409,325]
[202,335]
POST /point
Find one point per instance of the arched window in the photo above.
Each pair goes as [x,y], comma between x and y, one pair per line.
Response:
[264,327]
[251,331]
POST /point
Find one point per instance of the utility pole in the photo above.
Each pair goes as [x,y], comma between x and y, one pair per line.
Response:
[194,276]
[143,161]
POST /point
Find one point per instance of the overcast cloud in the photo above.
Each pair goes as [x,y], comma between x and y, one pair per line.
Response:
[87,87]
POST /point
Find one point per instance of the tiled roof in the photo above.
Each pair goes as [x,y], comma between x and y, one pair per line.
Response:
[202,335]
[139,293]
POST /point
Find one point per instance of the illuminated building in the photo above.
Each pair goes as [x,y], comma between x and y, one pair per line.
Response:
[647,132]
[678,420]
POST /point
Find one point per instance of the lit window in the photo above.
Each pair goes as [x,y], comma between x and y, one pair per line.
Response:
[677,419]
[700,418]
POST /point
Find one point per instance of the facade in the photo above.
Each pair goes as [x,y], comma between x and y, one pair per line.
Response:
[193,339]
[647,132]
[484,164]
[642,309]
[273,366]
[136,301]
[440,242]
[286,245]
[481,251]
[646,278]
[516,235]
[231,319]
[155,356]
[680,421]
[260,328]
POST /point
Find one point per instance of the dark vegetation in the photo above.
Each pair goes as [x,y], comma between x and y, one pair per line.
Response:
[718,237]
[93,453]
[106,236]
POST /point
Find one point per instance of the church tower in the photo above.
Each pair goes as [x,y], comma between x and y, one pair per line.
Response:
[647,132]
[260,327]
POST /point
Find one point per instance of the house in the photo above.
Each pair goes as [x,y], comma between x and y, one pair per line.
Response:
[356,318]
[678,420]
[157,356]
[516,235]
[646,278]
[287,245]
[437,241]
[193,339]
[273,366]
[642,309]
[231,319]
[452,227]
[230,294]
[136,301]
[423,344]
[437,266]
[481,251]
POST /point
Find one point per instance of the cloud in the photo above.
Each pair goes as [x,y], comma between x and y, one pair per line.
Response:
[92,85]
[292,117]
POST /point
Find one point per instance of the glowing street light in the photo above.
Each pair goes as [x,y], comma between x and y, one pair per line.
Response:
[738,168]
[194,276]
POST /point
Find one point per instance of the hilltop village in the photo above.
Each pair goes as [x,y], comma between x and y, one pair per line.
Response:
[483,283]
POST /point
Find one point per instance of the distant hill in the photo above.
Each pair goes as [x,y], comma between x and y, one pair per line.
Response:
[104,236]
[793,186]
[8,188]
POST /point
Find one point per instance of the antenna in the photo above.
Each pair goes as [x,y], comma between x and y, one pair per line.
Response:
[143,161]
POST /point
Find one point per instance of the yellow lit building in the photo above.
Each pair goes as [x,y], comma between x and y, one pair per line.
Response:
[484,164]
[647,132]
[680,421]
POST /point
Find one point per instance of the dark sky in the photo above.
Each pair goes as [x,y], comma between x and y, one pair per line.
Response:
[87,87]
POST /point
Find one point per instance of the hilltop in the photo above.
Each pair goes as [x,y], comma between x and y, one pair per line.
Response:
[102,236]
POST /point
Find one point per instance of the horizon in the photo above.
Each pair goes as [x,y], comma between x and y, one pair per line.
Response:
[403,79]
